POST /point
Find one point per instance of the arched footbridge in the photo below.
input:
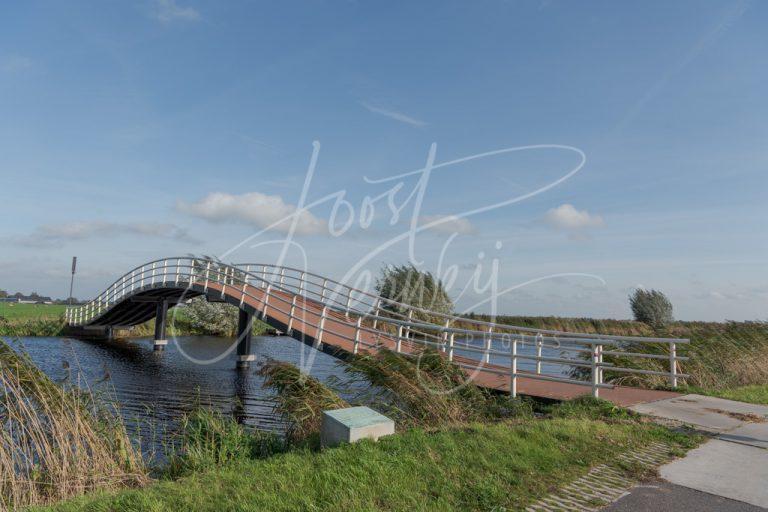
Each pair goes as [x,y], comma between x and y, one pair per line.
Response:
[342,320]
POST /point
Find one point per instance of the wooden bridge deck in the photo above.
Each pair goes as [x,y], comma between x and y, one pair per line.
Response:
[339,331]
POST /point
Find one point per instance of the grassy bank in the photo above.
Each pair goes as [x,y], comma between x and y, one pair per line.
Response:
[475,467]
[463,450]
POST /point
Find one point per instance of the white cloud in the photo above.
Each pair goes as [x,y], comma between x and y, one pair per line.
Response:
[55,234]
[253,208]
[393,114]
[168,11]
[15,63]
[568,218]
[449,224]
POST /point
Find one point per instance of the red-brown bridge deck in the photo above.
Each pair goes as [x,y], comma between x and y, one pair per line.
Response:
[339,331]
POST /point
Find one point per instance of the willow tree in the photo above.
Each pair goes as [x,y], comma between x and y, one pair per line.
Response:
[405,284]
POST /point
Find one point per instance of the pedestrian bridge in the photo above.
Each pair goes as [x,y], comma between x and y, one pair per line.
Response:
[342,320]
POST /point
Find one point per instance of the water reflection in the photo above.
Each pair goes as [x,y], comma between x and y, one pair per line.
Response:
[154,389]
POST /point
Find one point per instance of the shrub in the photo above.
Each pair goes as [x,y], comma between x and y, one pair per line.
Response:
[212,318]
[651,307]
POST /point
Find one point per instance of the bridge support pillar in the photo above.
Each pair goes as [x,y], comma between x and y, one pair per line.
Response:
[244,334]
[160,317]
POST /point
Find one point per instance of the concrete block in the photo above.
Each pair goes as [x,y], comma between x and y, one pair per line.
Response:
[352,424]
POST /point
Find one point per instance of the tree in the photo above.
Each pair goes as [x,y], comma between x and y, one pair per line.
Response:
[408,285]
[213,318]
[651,307]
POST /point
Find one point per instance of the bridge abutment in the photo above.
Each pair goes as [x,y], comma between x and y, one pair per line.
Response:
[160,318]
[244,335]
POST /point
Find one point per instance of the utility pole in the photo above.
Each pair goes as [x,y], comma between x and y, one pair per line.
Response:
[72,280]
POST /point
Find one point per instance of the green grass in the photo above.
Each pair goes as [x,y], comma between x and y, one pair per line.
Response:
[15,312]
[753,394]
[476,467]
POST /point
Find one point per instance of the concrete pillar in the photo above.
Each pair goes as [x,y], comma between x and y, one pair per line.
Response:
[244,330]
[160,317]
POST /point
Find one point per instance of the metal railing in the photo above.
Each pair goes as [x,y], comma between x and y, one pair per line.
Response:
[471,344]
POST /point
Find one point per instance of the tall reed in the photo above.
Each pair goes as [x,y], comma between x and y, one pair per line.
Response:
[57,443]
[300,399]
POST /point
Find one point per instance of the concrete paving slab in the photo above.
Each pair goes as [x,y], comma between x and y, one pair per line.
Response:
[723,468]
[752,434]
[706,412]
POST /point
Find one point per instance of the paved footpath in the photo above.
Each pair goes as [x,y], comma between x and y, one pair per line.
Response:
[728,473]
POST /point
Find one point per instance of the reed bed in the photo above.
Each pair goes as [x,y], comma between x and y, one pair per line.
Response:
[722,356]
[57,443]
[32,327]
[301,400]
[425,391]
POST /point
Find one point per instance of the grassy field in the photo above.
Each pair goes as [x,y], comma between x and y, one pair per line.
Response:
[754,394]
[16,312]
[477,467]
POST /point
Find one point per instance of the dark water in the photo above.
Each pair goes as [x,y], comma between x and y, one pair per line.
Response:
[155,389]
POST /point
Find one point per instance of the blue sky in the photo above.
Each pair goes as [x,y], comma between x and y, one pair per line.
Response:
[135,130]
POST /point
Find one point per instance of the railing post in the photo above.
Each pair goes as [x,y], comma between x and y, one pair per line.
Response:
[488,345]
[376,307]
[349,302]
[600,364]
[322,292]
[242,295]
[450,346]
[224,281]
[320,328]
[356,345]
[290,316]
[302,277]
[595,370]
[152,282]
[513,370]
[539,343]
[399,343]
[282,277]
[178,271]
[263,276]
[207,276]
[408,329]
[672,364]
[445,335]
[266,302]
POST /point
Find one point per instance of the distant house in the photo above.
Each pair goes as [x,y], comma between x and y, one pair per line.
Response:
[9,299]
[30,299]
